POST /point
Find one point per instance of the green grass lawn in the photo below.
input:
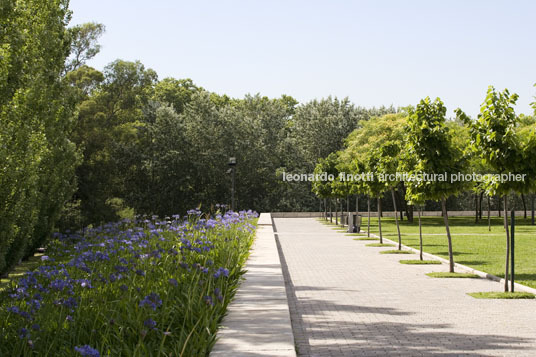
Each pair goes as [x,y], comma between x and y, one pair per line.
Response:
[472,243]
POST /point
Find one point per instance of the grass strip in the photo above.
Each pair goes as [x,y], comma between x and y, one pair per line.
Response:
[396,251]
[452,275]
[501,295]
[380,245]
[419,262]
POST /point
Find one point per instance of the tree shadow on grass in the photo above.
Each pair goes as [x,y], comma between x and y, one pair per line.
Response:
[472,262]
[525,277]
[453,253]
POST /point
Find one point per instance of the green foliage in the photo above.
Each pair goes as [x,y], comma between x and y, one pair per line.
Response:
[433,151]
[175,92]
[84,44]
[375,147]
[36,176]
[493,137]
[323,188]
[128,288]
[110,114]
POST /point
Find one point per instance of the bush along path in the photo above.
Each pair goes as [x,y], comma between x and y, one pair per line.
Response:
[142,288]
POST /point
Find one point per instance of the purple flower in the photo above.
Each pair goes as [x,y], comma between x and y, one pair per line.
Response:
[208,300]
[13,309]
[173,282]
[59,284]
[195,212]
[150,323]
[24,333]
[16,310]
[70,302]
[87,350]
[152,300]
[221,271]
[121,268]
[85,283]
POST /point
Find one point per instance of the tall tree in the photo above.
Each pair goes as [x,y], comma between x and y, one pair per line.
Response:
[493,137]
[431,145]
[36,116]
[107,134]
[84,44]
[378,144]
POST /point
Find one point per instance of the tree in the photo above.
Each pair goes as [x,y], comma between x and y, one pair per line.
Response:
[324,188]
[175,92]
[36,116]
[84,44]
[320,127]
[431,145]
[493,137]
[377,145]
[109,118]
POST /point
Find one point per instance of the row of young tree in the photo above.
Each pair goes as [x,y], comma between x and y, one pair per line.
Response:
[419,141]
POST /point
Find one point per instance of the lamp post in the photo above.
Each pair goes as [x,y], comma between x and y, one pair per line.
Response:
[232,164]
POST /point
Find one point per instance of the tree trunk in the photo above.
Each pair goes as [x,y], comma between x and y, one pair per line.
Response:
[336,213]
[330,211]
[506,271]
[499,206]
[380,219]
[480,205]
[342,214]
[489,216]
[476,208]
[449,238]
[347,211]
[399,200]
[532,208]
[396,220]
[420,232]
[524,206]
[368,221]
[409,212]
[380,210]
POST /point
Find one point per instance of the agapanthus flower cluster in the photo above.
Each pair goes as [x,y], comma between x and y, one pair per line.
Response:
[120,266]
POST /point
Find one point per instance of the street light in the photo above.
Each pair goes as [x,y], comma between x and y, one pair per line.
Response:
[232,164]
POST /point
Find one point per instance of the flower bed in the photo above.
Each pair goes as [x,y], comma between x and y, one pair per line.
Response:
[131,288]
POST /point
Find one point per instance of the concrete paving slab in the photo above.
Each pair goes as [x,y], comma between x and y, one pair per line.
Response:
[346,299]
[258,320]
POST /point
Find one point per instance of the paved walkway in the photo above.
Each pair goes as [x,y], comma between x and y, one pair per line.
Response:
[258,320]
[346,299]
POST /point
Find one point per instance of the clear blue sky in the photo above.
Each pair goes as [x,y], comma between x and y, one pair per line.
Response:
[374,52]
